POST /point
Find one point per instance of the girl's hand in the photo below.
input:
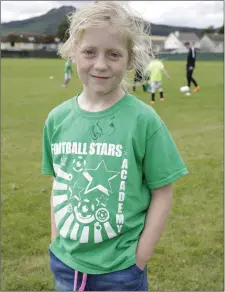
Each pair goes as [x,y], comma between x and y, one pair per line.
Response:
[141,262]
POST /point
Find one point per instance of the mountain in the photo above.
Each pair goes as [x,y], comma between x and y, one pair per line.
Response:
[165,30]
[49,22]
[44,24]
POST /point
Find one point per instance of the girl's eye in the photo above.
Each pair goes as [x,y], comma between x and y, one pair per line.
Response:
[89,52]
[114,55]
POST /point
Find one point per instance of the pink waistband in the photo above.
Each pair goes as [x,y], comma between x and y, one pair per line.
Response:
[83,284]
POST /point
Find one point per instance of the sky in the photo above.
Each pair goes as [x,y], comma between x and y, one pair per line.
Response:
[199,14]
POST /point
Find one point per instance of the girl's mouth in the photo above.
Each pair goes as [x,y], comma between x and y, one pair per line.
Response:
[100,77]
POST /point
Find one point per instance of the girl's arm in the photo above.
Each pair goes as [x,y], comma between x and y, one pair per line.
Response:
[165,72]
[154,225]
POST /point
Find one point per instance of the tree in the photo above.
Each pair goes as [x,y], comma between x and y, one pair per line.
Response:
[62,31]
[221,29]
[210,29]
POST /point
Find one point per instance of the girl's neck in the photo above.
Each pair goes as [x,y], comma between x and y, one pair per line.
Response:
[92,102]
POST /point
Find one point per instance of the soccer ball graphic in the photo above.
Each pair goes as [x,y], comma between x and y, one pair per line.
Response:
[102,215]
[79,164]
[85,211]
[85,208]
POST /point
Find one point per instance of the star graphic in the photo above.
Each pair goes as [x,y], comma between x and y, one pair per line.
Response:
[102,200]
[99,174]
[76,191]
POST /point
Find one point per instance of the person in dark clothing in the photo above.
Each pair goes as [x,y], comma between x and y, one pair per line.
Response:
[138,78]
[191,59]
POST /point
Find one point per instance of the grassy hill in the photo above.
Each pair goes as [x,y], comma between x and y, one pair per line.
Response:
[49,22]
[44,24]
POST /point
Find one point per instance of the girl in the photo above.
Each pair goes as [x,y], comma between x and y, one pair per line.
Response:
[112,159]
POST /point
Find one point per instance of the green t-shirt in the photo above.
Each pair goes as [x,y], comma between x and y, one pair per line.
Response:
[105,165]
[68,66]
[155,68]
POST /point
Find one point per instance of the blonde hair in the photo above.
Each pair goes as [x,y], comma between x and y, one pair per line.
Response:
[126,22]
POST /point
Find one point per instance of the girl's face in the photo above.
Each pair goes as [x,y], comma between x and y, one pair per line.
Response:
[102,59]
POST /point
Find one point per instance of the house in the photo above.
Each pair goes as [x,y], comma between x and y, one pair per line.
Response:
[158,43]
[20,42]
[213,42]
[175,41]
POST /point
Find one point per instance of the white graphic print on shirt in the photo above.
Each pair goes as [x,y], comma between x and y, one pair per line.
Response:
[82,194]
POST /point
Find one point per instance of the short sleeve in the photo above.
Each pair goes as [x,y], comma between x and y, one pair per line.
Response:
[47,161]
[162,163]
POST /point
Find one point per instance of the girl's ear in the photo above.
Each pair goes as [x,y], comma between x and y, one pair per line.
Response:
[130,63]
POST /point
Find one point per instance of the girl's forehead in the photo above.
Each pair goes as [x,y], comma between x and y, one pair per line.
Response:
[103,36]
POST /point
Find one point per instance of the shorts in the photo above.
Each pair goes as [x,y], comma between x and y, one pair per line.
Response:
[67,76]
[66,279]
[155,85]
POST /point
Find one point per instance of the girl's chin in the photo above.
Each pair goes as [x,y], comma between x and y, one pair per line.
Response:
[98,89]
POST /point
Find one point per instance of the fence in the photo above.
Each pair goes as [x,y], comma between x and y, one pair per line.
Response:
[165,56]
[200,56]
[29,54]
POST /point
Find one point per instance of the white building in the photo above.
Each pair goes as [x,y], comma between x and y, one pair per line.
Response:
[158,43]
[212,43]
[175,41]
[19,42]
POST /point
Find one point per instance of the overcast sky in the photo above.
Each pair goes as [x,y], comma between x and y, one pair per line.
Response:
[200,14]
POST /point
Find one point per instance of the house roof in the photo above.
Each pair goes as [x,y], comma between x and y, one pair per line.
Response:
[187,37]
[159,43]
[215,37]
[158,38]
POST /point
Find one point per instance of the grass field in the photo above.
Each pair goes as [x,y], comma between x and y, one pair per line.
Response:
[189,255]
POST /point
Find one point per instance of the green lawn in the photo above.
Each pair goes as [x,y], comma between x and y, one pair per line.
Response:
[189,255]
